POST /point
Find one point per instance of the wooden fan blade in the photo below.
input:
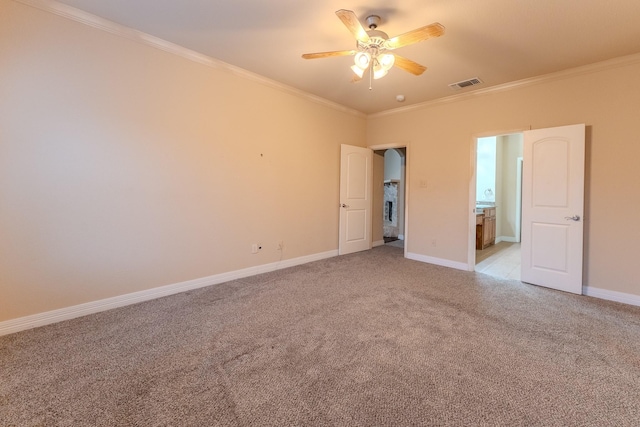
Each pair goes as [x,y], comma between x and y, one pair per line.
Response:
[417,35]
[328,54]
[350,20]
[408,65]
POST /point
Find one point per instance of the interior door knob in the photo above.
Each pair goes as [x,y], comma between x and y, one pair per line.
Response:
[572,218]
[344,206]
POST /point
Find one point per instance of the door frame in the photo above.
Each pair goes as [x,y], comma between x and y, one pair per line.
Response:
[406,186]
[473,164]
[519,163]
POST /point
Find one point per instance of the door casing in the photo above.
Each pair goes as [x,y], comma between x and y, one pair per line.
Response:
[406,185]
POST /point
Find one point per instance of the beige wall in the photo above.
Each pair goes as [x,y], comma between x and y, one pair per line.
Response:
[509,148]
[392,166]
[500,184]
[441,137]
[124,167]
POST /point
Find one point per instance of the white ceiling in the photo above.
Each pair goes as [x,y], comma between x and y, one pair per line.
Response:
[498,41]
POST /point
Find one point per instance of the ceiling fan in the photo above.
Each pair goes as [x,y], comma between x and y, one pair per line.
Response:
[373,46]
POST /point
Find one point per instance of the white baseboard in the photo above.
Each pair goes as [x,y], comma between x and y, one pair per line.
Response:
[54,316]
[611,295]
[438,261]
[378,243]
[605,294]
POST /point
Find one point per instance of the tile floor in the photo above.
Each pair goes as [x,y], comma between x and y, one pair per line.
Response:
[500,260]
[397,243]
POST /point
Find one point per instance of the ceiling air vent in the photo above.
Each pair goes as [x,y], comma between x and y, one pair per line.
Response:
[465,83]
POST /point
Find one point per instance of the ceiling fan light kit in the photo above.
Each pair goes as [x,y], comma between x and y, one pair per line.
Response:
[362,60]
[359,72]
[372,47]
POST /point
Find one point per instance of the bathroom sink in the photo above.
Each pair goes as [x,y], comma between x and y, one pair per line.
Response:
[480,206]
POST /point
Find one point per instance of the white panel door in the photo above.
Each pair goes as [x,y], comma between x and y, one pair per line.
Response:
[553,207]
[355,199]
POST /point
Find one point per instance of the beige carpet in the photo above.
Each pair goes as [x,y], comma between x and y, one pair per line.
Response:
[368,339]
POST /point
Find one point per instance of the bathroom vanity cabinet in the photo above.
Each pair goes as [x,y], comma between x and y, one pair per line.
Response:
[486,228]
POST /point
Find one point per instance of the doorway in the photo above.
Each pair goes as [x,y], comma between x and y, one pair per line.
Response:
[498,205]
[390,196]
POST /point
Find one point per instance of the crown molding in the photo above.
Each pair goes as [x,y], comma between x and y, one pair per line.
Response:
[94,21]
[560,75]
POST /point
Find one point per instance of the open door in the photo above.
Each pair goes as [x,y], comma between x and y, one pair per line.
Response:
[356,180]
[553,207]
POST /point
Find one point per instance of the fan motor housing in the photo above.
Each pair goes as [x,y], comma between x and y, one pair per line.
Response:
[373,21]
[377,34]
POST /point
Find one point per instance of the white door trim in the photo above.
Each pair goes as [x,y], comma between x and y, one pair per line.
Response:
[519,199]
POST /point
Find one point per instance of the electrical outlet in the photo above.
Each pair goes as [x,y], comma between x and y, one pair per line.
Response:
[434,242]
[254,248]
